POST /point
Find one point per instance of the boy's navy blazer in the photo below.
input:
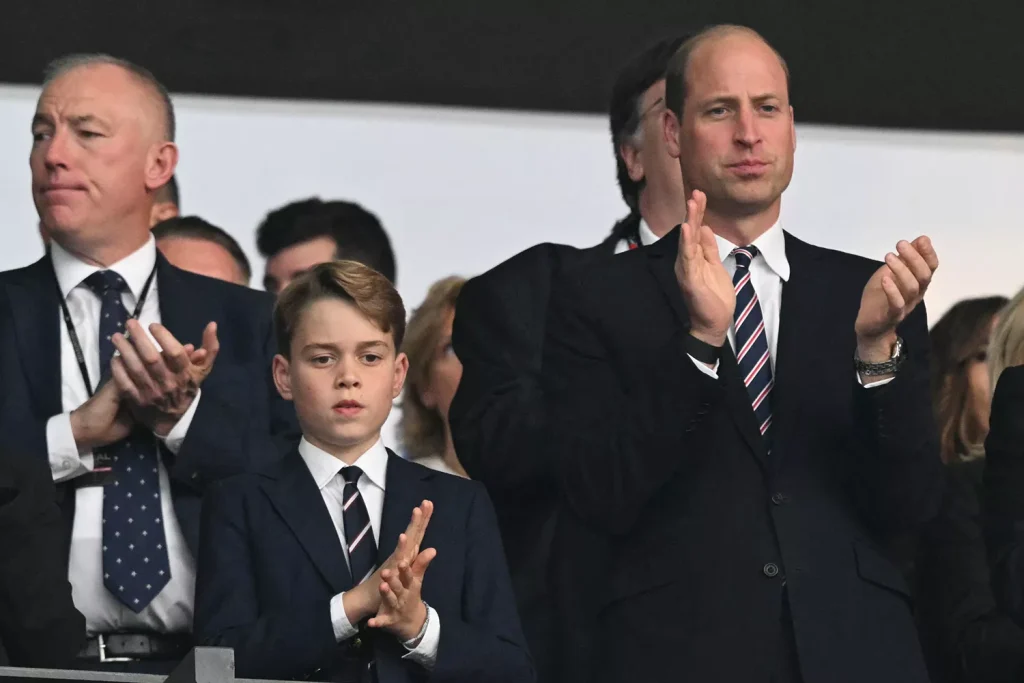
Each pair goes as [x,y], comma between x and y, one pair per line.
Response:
[270,561]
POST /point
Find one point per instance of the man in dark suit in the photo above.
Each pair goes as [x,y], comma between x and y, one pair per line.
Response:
[498,415]
[39,625]
[747,439]
[303,570]
[133,437]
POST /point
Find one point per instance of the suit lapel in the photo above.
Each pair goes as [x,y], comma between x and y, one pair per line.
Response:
[35,305]
[181,311]
[404,489]
[295,496]
[801,294]
[662,263]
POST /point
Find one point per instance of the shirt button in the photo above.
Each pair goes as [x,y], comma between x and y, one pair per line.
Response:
[771,570]
[780,498]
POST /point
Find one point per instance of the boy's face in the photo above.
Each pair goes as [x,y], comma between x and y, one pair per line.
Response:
[342,376]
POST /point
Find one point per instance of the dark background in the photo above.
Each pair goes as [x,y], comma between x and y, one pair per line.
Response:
[905,63]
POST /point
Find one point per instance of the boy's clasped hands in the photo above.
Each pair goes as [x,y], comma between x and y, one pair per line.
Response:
[391,596]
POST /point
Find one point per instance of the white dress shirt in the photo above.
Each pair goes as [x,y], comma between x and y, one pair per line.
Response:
[767,275]
[171,610]
[326,469]
[647,237]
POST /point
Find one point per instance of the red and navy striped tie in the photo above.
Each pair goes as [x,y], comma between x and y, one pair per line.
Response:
[362,548]
[752,355]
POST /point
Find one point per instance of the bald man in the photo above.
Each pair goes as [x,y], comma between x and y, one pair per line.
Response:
[139,383]
[753,452]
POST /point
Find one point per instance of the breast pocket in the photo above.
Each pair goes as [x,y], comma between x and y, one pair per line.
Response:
[877,569]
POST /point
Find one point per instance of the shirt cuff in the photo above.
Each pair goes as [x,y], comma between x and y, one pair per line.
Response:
[66,461]
[179,431]
[343,628]
[870,385]
[703,367]
[423,648]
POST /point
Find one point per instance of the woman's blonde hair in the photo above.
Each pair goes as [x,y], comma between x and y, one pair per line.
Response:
[1007,346]
[421,429]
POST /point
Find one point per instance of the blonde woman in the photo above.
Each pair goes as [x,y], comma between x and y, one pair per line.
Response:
[434,374]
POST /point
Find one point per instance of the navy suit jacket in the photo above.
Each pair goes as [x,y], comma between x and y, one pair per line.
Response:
[241,420]
[270,562]
[710,533]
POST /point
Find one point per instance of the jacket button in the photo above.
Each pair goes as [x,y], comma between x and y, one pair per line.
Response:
[771,570]
[780,498]
[357,642]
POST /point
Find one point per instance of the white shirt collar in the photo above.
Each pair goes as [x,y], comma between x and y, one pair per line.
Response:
[324,466]
[647,235]
[133,268]
[771,244]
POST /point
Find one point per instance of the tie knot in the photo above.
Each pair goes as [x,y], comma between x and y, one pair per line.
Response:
[744,255]
[102,281]
[351,474]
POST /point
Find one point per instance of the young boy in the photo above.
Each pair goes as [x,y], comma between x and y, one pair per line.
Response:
[303,568]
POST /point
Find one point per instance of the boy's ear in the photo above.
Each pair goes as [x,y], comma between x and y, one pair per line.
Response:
[282,376]
[401,370]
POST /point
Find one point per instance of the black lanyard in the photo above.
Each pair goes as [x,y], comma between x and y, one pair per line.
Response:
[79,355]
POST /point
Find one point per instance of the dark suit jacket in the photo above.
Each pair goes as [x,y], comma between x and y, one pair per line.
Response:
[271,562]
[967,638]
[707,527]
[240,413]
[1004,482]
[39,625]
[499,420]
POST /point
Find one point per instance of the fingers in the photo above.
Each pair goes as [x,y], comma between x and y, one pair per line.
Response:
[709,245]
[391,588]
[422,561]
[211,344]
[695,208]
[176,357]
[893,293]
[915,261]
[122,381]
[903,277]
[924,247]
[135,366]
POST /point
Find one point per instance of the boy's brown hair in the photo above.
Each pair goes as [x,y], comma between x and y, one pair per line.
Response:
[363,287]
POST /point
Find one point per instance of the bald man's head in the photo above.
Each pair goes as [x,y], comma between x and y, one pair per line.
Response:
[160,98]
[678,69]
[101,150]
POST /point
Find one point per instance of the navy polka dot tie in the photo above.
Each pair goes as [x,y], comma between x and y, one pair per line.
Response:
[135,562]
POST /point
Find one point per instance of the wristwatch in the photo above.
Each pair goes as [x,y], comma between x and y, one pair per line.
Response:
[888,367]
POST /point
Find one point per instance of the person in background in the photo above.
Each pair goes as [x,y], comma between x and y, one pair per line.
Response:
[300,235]
[962,391]
[200,247]
[166,202]
[303,571]
[499,414]
[965,636]
[139,383]
[1003,480]
[434,374]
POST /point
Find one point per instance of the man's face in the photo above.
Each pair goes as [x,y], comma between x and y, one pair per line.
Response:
[647,156]
[97,154]
[202,257]
[736,138]
[342,376]
[289,263]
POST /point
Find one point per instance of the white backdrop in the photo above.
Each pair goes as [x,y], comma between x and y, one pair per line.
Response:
[461,190]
